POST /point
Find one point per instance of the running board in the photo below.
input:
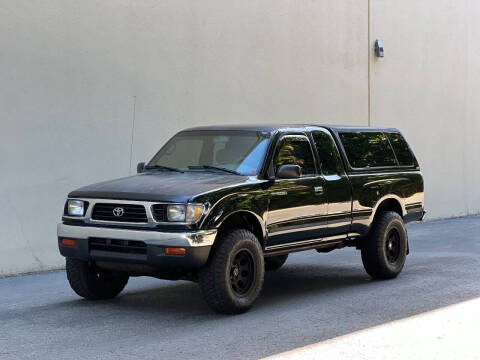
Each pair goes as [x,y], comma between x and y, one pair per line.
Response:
[314,244]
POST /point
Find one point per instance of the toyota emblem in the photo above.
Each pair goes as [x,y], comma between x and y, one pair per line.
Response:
[118,211]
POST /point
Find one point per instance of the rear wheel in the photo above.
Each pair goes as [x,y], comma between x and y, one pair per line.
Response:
[385,250]
[93,283]
[275,262]
[233,279]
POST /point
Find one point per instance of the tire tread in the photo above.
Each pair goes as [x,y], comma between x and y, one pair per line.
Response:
[211,278]
[81,281]
[372,249]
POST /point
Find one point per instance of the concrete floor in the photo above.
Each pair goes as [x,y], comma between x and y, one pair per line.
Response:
[447,333]
[314,297]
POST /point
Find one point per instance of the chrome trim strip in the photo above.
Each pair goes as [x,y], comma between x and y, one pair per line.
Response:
[293,244]
[414,205]
[394,170]
[177,239]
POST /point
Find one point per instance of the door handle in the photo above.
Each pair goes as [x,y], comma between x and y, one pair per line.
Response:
[318,190]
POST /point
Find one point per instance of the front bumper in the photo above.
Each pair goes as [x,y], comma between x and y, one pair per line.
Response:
[152,255]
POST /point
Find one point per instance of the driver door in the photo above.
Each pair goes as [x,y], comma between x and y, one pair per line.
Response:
[297,207]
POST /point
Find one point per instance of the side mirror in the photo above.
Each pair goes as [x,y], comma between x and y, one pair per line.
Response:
[140,167]
[289,172]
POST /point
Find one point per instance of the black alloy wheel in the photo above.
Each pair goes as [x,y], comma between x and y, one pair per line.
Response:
[242,272]
[392,246]
[233,277]
[384,250]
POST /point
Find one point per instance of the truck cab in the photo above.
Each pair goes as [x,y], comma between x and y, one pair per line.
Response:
[221,205]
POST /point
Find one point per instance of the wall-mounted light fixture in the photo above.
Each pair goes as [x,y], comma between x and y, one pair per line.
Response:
[378,48]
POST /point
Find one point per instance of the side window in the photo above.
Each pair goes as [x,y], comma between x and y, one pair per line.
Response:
[367,149]
[295,151]
[400,146]
[327,153]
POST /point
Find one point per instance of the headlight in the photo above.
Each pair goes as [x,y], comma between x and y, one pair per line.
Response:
[176,213]
[75,208]
[184,213]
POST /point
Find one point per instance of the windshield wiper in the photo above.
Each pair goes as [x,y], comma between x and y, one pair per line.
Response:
[214,168]
[161,167]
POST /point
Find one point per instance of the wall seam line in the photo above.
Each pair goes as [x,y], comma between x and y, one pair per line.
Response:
[369,106]
[131,137]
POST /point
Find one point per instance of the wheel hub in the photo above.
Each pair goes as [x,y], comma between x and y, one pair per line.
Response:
[392,246]
[235,271]
[242,272]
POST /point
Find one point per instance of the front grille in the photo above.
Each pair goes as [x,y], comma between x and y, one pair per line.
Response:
[130,213]
[159,212]
[119,246]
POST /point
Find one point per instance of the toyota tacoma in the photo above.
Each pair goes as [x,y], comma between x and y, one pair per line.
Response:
[221,205]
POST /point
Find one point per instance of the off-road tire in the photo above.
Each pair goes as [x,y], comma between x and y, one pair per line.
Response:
[92,283]
[217,280]
[381,260]
[275,262]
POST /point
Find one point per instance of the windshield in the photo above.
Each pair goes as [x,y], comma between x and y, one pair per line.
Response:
[211,150]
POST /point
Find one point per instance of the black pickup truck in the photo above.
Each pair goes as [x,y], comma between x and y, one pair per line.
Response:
[220,205]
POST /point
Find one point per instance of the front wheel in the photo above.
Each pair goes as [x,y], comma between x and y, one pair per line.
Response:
[233,278]
[93,283]
[385,250]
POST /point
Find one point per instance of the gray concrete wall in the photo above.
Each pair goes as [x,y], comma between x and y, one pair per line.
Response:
[428,85]
[90,88]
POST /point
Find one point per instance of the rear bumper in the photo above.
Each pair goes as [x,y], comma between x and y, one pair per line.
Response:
[151,255]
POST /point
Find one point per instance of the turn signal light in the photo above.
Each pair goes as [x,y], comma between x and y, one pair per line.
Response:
[175,251]
[68,242]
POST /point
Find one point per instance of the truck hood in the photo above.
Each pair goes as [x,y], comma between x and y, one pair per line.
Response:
[160,186]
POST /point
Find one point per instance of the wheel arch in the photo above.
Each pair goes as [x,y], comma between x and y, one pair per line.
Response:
[388,203]
[243,219]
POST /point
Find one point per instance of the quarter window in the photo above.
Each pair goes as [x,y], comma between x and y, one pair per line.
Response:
[295,151]
[400,146]
[368,149]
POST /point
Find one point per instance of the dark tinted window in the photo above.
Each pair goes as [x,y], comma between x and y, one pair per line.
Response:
[367,149]
[400,146]
[327,153]
[295,151]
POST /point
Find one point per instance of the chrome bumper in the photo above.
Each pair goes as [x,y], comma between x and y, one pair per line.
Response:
[150,237]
